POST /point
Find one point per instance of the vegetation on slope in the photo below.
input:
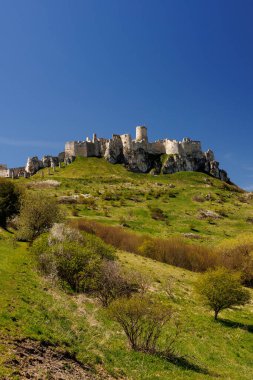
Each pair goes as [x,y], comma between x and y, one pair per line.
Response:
[75,324]
[188,204]
[35,308]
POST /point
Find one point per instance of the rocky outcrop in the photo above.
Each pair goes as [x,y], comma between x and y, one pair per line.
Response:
[34,164]
[139,161]
[205,163]
[114,150]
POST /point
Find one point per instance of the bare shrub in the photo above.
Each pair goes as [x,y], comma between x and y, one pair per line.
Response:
[236,254]
[169,287]
[114,283]
[115,236]
[174,251]
[142,319]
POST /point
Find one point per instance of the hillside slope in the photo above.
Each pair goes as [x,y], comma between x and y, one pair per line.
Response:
[186,203]
[33,308]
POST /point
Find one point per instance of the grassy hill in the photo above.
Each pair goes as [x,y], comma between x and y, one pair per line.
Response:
[33,308]
[161,205]
[43,329]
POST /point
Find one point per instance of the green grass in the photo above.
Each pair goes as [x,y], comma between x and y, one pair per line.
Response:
[36,308]
[118,194]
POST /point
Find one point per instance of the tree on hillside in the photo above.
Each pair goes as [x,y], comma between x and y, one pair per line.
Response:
[38,213]
[221,289]
[9,201]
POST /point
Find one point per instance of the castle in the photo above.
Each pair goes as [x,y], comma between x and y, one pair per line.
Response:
[123,144]
[139,155]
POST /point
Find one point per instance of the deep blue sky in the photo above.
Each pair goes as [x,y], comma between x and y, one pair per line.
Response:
[69,68]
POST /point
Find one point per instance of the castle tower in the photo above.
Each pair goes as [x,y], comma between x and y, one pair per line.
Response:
[141,134]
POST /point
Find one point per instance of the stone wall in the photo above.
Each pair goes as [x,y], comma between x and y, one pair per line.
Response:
[190,147]
[4,172]
[157,147]
[171,146]
[76,148]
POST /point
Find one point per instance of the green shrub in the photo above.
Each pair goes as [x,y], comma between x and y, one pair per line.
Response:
[221,289]
[9,201]
[71,257]
[37,215]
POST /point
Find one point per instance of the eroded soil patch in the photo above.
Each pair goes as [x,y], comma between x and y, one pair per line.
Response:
[34,360]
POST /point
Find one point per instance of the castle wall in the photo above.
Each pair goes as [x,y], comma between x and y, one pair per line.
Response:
[140,145]
[191,147]
[5,173]
[17,172]
[92,149]
[156,147]
[172,147]
[76,148]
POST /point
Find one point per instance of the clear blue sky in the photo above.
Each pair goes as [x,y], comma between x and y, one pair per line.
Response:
[69,68]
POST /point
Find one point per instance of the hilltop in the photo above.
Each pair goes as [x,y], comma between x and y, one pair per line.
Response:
[187,203]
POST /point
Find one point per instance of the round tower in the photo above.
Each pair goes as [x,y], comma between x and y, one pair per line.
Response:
[141,134]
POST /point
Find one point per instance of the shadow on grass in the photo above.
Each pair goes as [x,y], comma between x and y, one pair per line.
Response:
[228,323]
[185,363]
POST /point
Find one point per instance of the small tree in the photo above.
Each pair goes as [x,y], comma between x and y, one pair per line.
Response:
[142,319]
[9,201]
[37,215]
[222,289]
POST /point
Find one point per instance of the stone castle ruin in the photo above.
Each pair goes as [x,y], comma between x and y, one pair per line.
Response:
[138,155]
[11,173]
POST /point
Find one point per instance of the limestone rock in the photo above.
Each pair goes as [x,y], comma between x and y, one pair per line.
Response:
[33,165]
[114,150]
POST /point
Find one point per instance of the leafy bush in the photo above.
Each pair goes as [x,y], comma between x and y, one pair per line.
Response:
[9,201]
[237,254]
[37,215]
[221,289]
[142,319]
[74,258]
